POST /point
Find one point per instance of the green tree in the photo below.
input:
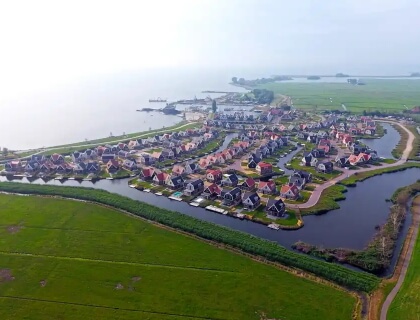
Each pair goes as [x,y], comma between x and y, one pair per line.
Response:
[5,151]
[234,79]
[214,106]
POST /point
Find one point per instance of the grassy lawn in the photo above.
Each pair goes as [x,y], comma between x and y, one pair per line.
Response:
[377,94]
[406,304]
[295,164]
[328,200]
[259,213]
[304,196]
[86,261]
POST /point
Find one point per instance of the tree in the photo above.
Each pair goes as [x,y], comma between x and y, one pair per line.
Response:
[214,106]
[234,79]
[5,151]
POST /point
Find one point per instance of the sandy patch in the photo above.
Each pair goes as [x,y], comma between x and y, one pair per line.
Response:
[119,286]
[13,229]
[135,279]
[43,283]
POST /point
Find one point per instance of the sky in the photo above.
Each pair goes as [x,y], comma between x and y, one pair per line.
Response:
[44,41]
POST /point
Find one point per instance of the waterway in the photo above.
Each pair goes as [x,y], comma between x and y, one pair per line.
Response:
[385,144]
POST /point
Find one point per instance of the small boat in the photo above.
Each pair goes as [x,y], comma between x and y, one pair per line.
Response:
[274,226]
[146,190]
[194,204]
[132,185]
[109,178]
[71,178]
[158,193]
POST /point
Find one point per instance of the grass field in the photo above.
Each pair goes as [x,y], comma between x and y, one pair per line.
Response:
[406,304]
[377,94]
[62,259]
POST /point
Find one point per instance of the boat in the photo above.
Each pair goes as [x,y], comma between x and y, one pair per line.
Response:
[157,100]
[109,178]
[194,204]
[132,185]
[170,109]
[146,190]
[158,193]
[274,226]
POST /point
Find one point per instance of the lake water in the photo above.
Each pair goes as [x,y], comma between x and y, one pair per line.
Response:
[97,106]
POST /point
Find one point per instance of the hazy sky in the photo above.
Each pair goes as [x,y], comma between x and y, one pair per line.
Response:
[57,39]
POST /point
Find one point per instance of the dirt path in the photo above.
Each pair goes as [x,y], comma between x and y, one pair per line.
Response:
[406,260]
[316,194]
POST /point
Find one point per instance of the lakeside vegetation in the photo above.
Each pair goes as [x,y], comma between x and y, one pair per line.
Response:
[242,241]
[327,201]
[377,94]
[406,304]
[87,261]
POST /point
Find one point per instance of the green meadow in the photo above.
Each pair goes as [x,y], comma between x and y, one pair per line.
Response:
[63,259]
[376,94]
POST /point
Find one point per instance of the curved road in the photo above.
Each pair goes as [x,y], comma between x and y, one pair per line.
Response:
[316,194]
[405,264]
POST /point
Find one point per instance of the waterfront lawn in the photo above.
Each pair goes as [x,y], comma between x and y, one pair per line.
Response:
[328,200]
[304,197]
[406,304]
[260,214]
[377,94]
[62,258]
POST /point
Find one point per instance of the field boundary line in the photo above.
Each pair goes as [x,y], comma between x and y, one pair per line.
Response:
[107,307]
[34,255]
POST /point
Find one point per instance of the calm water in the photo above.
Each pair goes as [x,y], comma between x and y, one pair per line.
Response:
[95,107]
[385,144]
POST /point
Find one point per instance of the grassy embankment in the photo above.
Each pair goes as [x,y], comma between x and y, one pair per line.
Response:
[69,148]
[406,304]
[235,239]
[377,94]
[86,261]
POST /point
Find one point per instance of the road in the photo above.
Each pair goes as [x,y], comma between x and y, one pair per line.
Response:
[405,263]
[316,194]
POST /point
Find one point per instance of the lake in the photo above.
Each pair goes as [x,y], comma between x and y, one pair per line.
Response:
[95,107]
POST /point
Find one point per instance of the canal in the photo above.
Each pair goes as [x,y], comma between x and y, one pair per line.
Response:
[385,144]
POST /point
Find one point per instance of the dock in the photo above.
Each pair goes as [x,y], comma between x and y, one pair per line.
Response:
[216,209]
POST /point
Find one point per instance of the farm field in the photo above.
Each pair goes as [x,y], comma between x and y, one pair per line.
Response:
[377,94]
[69,259]
[406,304]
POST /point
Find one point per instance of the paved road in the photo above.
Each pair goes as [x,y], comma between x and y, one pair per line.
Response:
[405,264]
[316,194]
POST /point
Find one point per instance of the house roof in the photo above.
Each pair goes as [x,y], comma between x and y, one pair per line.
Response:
[269,184]
[292,188]
[214,188]
[275,205]
[232,191]
[161,176]
[214,172]
[148,172]
[251,196]
[112,163]
[178,169]
[249,182]
[264,165]
[196,182]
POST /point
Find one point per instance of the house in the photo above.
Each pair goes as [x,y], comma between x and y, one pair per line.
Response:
[325,167]
[178,170]
[130,164]
[159,177]
[157,156]
[78,156]
[123,154]
[318,153]
[79,168]
[147,173]
[194,187]
[275,207]
[63,168]
[93,167]
[57,158]
[40,158]
[248,184]
[134,145]
[214,175]
[47,167]
[364,158]
[212,159]
[212,191]
[203,163]
[174,182]
[31,166]
[251,200]
[297,181]
[342,161]
[253,162]
[304,175]
[146,159]
[167,154]
[112,166]
[264,168]
[267,187]
[353,159]
[309,160]
[191,168]
[122,146]
[13,166]
[231,197]
[289,191]
[230,180]
[107,156]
